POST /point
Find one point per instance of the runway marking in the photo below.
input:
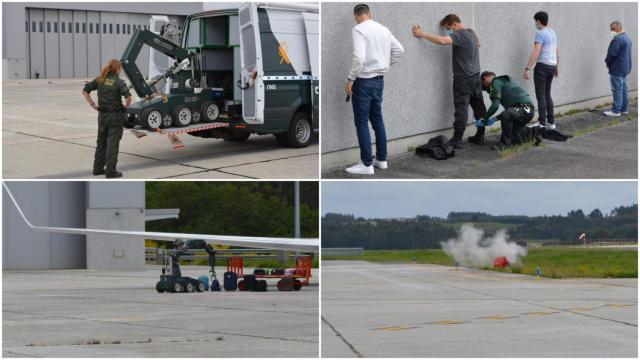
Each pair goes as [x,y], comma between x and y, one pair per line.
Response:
[541,313]
[579,309]
[619,305]
[448,322]
[496,317]
[396,328]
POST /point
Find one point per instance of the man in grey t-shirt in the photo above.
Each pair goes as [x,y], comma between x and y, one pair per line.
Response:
[467,88]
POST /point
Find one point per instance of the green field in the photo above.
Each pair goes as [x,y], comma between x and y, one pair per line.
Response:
[554,262]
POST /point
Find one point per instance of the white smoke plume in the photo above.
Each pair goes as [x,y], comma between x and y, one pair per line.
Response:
[473,249]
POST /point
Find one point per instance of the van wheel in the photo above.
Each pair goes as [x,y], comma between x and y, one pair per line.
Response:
[238,136]
[300,131]
[195,116]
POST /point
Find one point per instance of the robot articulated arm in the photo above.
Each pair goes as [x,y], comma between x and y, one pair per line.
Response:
[184,60]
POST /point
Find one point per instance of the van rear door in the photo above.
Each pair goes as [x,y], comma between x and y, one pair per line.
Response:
[251,71]
[311,24]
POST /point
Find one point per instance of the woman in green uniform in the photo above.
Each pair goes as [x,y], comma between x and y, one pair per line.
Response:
[111,116]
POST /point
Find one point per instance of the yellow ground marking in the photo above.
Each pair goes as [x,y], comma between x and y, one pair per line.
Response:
[396,328]
[541,313]
[580,309]
[447,322]
[496,317]
[618,305]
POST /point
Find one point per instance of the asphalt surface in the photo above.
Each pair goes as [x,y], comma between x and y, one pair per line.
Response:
[410,310]
[83,313]
[610,152]
[48,131]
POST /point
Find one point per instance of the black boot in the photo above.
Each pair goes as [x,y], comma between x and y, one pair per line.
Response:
[113,175]
[478,138]
[456,140]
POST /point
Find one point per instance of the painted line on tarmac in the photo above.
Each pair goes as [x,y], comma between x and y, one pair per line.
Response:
[339,335]
[396,328]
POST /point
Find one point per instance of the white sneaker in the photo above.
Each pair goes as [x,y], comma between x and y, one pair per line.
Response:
[611,113]
[360,169]
[551,126]
[625,113]
[380,164]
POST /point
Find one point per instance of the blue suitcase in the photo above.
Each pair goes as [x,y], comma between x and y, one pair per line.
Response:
[230,281]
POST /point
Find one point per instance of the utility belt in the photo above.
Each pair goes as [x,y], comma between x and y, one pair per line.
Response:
[527,108]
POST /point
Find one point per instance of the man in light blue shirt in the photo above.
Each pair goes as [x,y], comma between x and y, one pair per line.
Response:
[545,58]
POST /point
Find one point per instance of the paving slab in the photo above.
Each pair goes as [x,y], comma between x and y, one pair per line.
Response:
[87,313]
[55,136]
[414,310]
[606,148]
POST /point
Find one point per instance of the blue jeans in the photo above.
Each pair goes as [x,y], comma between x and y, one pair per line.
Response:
[367,106]
[620,94]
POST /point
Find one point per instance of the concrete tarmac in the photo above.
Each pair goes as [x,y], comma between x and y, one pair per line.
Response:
[84,313]
[50,132]
[606,148]
[411,310]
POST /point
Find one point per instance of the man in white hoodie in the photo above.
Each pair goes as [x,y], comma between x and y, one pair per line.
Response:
[375,49]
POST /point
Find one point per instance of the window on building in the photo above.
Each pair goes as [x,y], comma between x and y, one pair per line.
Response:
[97,28]
[48,26]
[90,28]
[33,26]
[41,26]
[55,27]
[77,28]
[26,26]
[117,28]
[110,28]
[84,28]
[70,28]
[62,27]
[129,29]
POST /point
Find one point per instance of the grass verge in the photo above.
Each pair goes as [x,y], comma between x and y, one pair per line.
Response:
[554,262]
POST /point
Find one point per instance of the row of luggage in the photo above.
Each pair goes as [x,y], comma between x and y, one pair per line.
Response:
[250,283]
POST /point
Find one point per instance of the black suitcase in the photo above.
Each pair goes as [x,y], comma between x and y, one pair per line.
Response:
[261,285]
[250,282]
[286,284]
[230,281]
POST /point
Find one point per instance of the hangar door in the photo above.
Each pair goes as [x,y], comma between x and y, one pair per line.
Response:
[76,43]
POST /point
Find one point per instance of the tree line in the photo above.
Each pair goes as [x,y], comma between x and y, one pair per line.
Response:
[426,232]
[234,208]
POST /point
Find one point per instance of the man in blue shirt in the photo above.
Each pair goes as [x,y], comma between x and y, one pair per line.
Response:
[619,64]
[545,58]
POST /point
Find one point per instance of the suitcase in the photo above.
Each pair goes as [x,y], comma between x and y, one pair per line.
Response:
[259,272]
[230,281]
[261,285]
[285,284]
[250,282]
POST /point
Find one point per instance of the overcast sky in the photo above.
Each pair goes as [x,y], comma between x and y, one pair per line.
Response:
[385,199]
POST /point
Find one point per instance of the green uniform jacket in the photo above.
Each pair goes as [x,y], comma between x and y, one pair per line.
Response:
[507,93]
[110,93]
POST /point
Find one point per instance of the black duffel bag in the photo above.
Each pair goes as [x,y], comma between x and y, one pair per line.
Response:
[436,148]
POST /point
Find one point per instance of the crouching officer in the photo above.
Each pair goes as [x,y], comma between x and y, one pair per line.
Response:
[518,111]
[111,116]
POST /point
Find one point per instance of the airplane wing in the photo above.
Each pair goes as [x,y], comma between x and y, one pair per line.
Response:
[292,244]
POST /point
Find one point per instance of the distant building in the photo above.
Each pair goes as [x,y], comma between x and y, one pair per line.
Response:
[101,205]
[73,40]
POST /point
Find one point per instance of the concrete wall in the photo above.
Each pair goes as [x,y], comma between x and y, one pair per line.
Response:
[44,203]
[418,90]
[116,206]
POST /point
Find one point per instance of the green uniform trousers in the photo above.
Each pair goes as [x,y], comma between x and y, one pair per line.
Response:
[110,126]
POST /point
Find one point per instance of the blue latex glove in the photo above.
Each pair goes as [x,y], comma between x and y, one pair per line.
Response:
[491,121]
[480,123]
